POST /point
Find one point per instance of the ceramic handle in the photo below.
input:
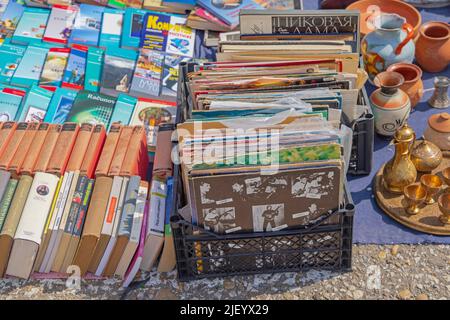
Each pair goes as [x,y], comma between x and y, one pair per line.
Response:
[409,35]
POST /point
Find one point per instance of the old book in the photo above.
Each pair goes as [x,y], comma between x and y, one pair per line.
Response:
[135,233]
[125,226]
[35,148]
[115,228]
[162,166]
[79,224]
[61,242]
[136,159]
[108,150]
[31,225]
[6,132]
[80,147]
[108,224]
[52,233]
[76,203]
[167,261]
[155,225]
[7,197]
[63,148]
[94,222]
[92,154]
[120,151]
[4,179]
[14,144]
[47,148]
[15,166]
[45,237]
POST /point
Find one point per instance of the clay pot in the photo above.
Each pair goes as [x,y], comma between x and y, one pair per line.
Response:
[433,46]
[390,105]
[413,85]
[438,131]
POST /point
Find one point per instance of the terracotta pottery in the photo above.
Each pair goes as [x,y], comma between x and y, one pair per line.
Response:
[390,43]
[433,46]
[438,131]
[390,105]
[371,8]
[413,85]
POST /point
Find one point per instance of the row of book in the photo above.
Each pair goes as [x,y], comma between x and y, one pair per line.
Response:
[73,196]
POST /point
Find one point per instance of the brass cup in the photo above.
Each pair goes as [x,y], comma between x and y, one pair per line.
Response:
[444,207]
[446,176]
[432,184]
[415,194]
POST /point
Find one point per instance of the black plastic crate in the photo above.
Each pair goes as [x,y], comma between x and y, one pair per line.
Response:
[327,244]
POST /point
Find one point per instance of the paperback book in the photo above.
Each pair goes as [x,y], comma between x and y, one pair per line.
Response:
[10,57]
[36,104]
[92,107]
[60,24]
[228,11]
[87,25]
[123,109]
[148,73]
[75,71]
[10,18]
[30,67]
[54,66]
[111,28]
[10,102]
[94,66]
[170,75]
[31,27]
[60,105]
[132,28]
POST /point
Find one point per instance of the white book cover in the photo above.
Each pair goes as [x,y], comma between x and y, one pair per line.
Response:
[157,211]
[55,222]
[60,23]
[110,216]
[68,201]
[112,241]
[111,23]
[37,207]
[139,213]
[181,39]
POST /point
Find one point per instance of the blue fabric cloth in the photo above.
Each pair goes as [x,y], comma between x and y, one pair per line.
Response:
[371,225]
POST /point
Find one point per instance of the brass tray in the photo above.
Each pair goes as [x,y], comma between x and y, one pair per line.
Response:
[427,220]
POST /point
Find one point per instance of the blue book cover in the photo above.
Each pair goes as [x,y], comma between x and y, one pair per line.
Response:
[94,67]
[35,105]
[31,26]
[76,68]
[132,28]
[87,25]
[123,110]
[30,67]
[10,18]
[228,11]
[147,75]
[10,56]
[60,105]
[10,102]
[187,3]
[111,28]
[155,31]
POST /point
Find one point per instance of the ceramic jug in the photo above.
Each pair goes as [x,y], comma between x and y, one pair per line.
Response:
[438,130]
[433,46]
[413,85]
[390,105]
[390,42]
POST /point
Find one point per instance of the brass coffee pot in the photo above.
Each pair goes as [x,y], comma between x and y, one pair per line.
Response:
[400,170]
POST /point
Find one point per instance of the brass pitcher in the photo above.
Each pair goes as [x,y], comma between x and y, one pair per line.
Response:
[400,170]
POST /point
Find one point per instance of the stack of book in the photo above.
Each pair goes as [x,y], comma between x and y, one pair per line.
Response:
[72,195]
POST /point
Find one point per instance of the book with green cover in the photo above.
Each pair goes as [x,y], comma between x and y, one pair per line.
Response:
[10,56]
[94,65]
[124,109]
[60,105]
[6,200]
[120,4]
[35,105]
[31,26]
[92,107]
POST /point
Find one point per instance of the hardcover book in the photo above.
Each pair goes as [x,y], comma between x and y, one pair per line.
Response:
[92,107]
[60,23]
[109,150]
[12,146]
[86,29]
[10,18]
[7,197]
[228,11]
[22,153]
[47,148]
[94,65]
[167,260]
[136,159]
[123,109]
[54,66]
[63,148]
[132,28]
[10,102]
[35,148]
[60,105]
[120,151]
[36,104]
[6,133]
[76,66]
[10,57]
[31,26]
[92,154]
[30,67]
[111,28]
[5,176]
[118,71]
[80,147]
[147,75]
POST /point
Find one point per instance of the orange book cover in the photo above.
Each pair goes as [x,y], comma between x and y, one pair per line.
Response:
[47,148]
[121,151]
[136,157]
[80,147]
[23,152]
[63,148]
[13,145]
[6,132]
[108,150]
[35,148]
[93,151]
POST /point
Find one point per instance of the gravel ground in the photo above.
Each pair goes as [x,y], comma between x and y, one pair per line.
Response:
[379,272]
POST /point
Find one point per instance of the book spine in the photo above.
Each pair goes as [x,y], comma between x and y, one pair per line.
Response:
[121,151]
[108,150]
[13,145]
[23,152]
[93,69]
[63,148]
[162,166]
[6,132]
[47,148]
[93,151]
[80,147]
[7,199]
[35,148]
[81,217]
[76,203]
[131,161]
